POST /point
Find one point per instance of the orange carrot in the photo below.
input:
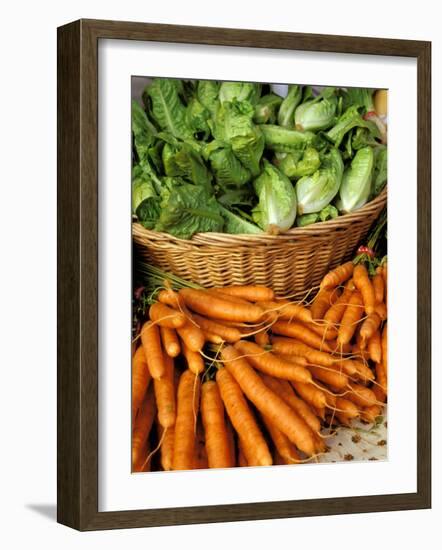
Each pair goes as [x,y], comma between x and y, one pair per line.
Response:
[352,315]
[165,316]
[171,298]
[381,310]
[262,338]
[378,286]
[229,334]
[140,379]
[360,395]
[283,445]
[187,408]
[361,353]
[370,414]
[217,442]
[350,409]
[380,394]
[268,403]
[323,301]
[242,461]
[364,372]
[143,465]
[201,461]
[369,326]
[252,441]
[311,395]
[333,378]
[166,449]
[165,395]
[142,426]
[324,330]
[297,359]
[285,391]
[212,338]
[194,360]
[381,376]
[151,342]
[252,293]
[219,308]
[384,345]
[231,440]
[301,333]
[337,276]
[374,347]
[288,311]
[343,418]
[363,284]
[270,363]
[334,314]
[170,341]
[192,336]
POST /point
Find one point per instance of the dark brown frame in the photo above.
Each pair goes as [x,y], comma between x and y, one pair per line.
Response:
[77,462]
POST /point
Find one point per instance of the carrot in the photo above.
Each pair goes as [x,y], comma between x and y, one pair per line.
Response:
[324,330]
[381,310]
[374,347]
[220,308]
[364,372]
[381,376]
[270,363]
[370,414]
[268,403]
[337,276]
[378,286]
[231,440]
[323,301]
[171,298]
[311,395]
[151,342]
[194,360]
[297,359]
[200,460]
[369,326]
[140,379]
[289,346]
[217,441]
[192,336]
[252,441]
[343,418]
[252,293]
[361,353]
[351,317]
[283,445]
[187,408]
[212,338]
[333,378]
[301,333]
[350,409]
[340,348]
[166,448]
[384,345]
[287,310]
[262,338]
[142,426]
[143,465]
[170,341]
[363,284]
[229,334]
[334,313]
[360,395]
[242,461]
[380,394]
[165,395]
[165,316]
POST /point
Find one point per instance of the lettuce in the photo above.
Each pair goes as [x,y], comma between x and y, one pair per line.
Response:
[236,224]
[187,209]
[143,130]
[380,169]
[288,106]
[240,91]
[348,120]
[318,113]
[284,140]
[356,183]
[181,159]
[266,109]
[276,209]
[197,117]
[207,93]
[296,165]
[315,192]
[227,169]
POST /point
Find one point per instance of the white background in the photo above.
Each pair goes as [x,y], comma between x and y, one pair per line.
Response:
[118,489]
[28,276]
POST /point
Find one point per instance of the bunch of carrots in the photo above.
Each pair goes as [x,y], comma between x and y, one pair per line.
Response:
[234,376]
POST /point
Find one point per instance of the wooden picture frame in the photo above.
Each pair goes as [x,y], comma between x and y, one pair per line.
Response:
[77,462]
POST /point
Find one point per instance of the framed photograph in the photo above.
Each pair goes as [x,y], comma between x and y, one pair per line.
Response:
[234,209]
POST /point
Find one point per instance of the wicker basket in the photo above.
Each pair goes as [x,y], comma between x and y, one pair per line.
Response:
[290,263]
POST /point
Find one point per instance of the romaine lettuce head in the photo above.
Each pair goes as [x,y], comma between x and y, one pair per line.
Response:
[196,117]
[315,192]
[143,130]
[276,209]
[236,224]
[234,125]
[284,140]
[266,109]
[240,91]
[187,209]
[316,114]
[380,169]
[181,159]
[288,106]
[356,182]
[227,169]
[145,200]
[351,118]
[165,107]
[296,165]
[207,94]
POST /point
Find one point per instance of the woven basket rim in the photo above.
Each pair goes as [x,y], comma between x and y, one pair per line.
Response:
[315,229]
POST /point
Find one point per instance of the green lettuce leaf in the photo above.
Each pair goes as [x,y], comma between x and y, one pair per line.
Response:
[266,109]
[188,209]
[286,114]
[318,113]
[380,169]
[284,140]
[296,165]
[276,209]
[356,182]
[316,191]
[163,98]
[227,169]
[197,117]
[182,160]
[237,225]
[240,91]
[207,94]
[143,130]
[351,118]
